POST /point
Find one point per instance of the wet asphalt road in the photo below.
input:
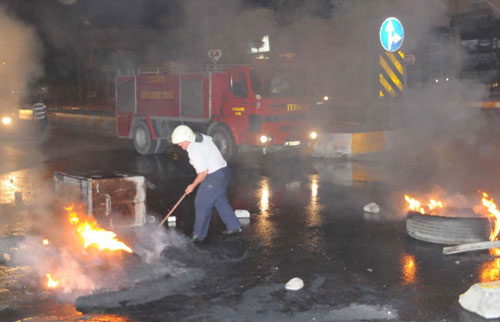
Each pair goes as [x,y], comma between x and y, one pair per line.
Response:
[307,221]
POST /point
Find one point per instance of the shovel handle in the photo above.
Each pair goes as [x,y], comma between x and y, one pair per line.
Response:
[171,211]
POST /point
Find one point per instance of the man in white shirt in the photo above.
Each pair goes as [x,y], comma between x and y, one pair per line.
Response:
[212,176]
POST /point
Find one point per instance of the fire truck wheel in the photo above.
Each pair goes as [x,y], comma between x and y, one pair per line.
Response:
[447,230]
[143,142]
[161,146]
[223,140]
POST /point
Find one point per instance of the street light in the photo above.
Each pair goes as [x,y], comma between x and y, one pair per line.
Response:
[6,120]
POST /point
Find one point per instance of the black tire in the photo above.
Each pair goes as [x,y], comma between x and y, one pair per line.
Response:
[447,230]
[143,142]
[223,140]
[161,146]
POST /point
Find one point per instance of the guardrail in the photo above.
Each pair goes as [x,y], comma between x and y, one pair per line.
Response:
[103,122]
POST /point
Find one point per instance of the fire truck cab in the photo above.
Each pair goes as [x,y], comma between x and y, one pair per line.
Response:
[240,106]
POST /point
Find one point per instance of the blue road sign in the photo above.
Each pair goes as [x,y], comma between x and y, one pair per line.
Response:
[391,34]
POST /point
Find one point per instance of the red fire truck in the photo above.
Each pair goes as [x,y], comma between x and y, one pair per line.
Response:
[239,106]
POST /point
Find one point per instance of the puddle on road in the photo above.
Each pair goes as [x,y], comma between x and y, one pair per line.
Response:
[408,269]
[349,173]
[30,182]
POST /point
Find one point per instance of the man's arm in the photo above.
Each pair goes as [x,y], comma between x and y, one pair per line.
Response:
[199,178]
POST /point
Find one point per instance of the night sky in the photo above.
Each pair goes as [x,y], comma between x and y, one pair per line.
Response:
[81,46]
[76,27]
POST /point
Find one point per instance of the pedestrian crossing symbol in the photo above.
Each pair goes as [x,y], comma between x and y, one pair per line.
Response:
[391,34]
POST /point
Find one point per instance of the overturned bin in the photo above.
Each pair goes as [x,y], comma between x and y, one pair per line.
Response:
[115,200]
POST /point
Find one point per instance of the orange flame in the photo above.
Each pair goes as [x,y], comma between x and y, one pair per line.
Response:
[490,271]
[51,283]
[93,235]
[494,215]
[432,204]
[415,205]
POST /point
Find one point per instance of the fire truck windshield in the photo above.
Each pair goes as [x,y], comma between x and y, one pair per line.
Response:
[276,83]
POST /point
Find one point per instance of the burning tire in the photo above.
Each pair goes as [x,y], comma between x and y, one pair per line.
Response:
[447,230]
[143,142]
[223,140]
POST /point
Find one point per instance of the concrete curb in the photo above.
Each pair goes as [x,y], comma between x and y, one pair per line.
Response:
[334,145]
[101,123]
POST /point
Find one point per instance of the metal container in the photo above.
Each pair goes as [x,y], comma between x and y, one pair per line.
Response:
[115,200]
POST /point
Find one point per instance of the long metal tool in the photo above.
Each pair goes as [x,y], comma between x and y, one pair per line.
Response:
[170,212]
[470,247]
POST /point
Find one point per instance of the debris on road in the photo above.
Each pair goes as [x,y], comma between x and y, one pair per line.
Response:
[294,284]
[241,213]
[462,248]
[372,207]
[140,293]
[172,221]
[244,222]
[482,299]
[150,185]
[171,211]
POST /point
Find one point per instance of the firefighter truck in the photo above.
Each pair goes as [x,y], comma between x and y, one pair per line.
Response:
[240,106]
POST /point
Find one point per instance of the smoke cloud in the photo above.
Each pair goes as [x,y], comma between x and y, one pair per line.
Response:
[20,59]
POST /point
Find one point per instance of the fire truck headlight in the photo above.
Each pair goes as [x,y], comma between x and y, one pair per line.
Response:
[6,120]
[264,139]
[313,135]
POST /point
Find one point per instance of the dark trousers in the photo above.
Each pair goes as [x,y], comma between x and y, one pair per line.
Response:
[213,192]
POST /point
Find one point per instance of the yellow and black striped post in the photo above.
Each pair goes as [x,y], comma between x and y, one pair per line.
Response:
[392,74]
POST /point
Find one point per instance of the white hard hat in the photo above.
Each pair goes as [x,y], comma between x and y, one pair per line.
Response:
[182,133]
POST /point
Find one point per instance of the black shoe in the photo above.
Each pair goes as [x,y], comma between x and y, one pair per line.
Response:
[231,232]
[197,239]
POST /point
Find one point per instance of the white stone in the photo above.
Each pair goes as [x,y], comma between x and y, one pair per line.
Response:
[482,299]
[294,284]
[244,222]
[241,213]
[372,207]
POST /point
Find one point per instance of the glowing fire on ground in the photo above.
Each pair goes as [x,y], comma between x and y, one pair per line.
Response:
[51,283]
[429,208]
[90,236]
